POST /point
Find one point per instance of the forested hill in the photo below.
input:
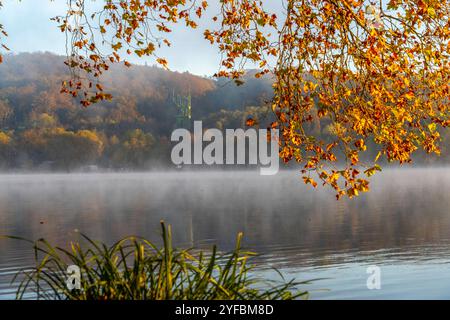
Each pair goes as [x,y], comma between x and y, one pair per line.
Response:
[36,119]
[40,128]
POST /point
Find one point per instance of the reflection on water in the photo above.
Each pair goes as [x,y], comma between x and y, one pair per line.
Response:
[402,225]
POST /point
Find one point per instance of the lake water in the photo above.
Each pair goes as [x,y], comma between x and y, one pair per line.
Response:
[402,225]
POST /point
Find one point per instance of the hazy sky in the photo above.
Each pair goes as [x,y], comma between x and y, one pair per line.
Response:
[30,29]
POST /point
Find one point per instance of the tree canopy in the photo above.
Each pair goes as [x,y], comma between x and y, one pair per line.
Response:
[374,71]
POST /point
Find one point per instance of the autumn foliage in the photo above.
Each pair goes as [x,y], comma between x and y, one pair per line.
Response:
[373,72]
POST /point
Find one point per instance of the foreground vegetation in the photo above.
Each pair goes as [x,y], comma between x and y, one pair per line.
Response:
[134,268]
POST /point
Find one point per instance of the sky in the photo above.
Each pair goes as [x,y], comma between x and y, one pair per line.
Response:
[30,30]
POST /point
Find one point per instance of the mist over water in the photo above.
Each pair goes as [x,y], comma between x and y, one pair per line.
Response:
[402,224]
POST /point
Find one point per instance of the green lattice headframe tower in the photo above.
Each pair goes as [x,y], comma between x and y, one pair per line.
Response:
[184,107]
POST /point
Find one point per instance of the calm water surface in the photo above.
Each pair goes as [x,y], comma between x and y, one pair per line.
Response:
[402,225]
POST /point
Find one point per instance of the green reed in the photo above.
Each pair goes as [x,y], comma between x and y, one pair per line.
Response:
[135,268]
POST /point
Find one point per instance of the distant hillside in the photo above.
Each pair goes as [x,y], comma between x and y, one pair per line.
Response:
[31,82]
[33,112]
[42,128]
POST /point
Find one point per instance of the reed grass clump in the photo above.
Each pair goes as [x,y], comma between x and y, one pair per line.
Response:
[136,269]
